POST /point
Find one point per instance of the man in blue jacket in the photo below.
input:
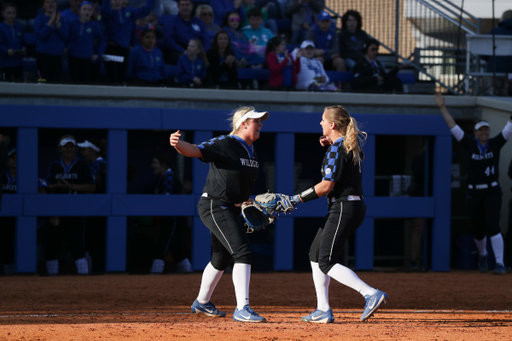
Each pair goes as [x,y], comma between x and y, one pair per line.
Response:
[119,25]
[73,12]
[12,45]
[323,34]
[180,29]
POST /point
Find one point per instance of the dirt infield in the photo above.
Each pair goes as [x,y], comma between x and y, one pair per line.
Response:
[421,306]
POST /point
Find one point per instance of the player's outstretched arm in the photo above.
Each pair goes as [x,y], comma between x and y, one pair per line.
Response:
[183,147]
[317,191]
[446,115]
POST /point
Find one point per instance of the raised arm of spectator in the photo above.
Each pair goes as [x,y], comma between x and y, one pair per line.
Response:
[143,11]
[41,28]
[62,27]
[507,130]
[170,36]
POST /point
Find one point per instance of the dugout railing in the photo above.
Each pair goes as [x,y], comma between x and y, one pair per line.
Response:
[116,204]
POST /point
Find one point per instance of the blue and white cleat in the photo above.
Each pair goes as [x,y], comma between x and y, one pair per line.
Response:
[319,316]
[207,309]
[247,315]
[373,303]
[500,269]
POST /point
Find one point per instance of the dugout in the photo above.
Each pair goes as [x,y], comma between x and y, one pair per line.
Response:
[117,205]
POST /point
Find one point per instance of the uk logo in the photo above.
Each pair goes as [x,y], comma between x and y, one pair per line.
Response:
[89,30]
[196,27]
[127,14]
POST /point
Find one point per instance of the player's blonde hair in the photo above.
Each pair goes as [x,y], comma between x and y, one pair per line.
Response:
[347,126]
[235,116]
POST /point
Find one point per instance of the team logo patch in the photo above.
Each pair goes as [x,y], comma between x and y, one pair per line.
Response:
[19,33]
[89,30]
[328,171]
[127,14]
[158,58]
[196,27]
[199,67]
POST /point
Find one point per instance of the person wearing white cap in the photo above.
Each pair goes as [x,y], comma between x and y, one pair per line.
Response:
[484,195]
[234,167]
[312,75]
[95,226]
[69,175]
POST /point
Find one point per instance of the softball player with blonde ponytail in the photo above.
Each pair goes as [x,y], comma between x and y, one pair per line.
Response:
[341,183]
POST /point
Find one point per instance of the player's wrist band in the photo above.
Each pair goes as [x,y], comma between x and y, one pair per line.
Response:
[309,194]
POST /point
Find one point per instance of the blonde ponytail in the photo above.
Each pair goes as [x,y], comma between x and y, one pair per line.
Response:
[347,126]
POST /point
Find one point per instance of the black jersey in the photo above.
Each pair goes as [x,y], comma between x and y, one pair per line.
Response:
[99,172]
[339,166]
[8,183]
[77,172]
[483,163]
[233,168]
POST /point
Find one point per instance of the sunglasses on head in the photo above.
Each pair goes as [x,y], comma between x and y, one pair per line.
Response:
[207,14]
[234,19]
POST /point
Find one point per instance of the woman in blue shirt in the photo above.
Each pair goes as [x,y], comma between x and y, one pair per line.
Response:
[192,65]
[86,44]
[51,33]
[146,61]
[12,45]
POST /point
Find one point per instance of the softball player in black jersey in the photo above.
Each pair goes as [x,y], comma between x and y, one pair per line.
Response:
[341,183]
[484,195]
[69,175]
[233,169]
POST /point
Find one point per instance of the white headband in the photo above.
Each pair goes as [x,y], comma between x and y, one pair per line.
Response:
[87,144]
[252,114]
[67,140]
[481,124]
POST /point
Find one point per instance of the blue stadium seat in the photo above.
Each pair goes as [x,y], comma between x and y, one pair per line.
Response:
[407,78]
[336,76]
[254,74]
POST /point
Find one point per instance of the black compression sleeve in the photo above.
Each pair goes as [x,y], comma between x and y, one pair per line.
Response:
[309,194]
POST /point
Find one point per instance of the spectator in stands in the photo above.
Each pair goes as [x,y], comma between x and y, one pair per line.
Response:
[256,33]
[73,12]
[167,7]
[151,22]
[69,175]
[223,71]
[51,33]
[502,64]
[8,224]
[192,66]
[283,66]
[247,5]
[12,45]
[222,7]
[170,236]
[352,38]
[369,74]
[312,76]
[323,34]
[205,13]
[147,66]
[244,51]
[119,26]
[304,14]
[86,45]
[181,29]
[92,151]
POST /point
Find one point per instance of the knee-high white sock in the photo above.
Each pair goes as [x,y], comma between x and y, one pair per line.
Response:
[82,267]
[52,267]
[348,277]
[497,247]
[481,245]
[211,277]
[322,282]
[241,279]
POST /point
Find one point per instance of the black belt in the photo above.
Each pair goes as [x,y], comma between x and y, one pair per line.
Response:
[346,198]
[206,195]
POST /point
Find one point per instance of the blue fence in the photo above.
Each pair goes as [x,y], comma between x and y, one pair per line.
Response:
[116,205]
